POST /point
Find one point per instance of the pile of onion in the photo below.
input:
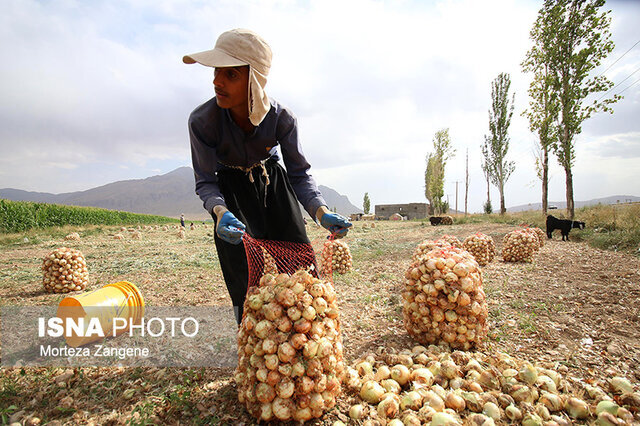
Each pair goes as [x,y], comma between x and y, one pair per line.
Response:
[290,354]
[74,236]
[426,246]
[444,300]
[481,246]
[520,246]
[452,240]
[447,220]
[432,384]
[270,266]
[64,270]
[336,257]
[539,233]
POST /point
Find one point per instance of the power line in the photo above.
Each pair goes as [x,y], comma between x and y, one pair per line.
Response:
[608,68]
[619,93]
[629,76]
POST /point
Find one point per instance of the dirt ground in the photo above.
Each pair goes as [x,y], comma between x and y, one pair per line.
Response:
[574,306]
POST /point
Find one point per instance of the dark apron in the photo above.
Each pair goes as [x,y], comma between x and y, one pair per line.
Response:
[269,212]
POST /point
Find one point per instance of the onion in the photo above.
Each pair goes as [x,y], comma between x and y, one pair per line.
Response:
[577,408]
[411,400]
[282,408]
[364,368]
[449,369]
[400,373]
[391,385]
[266,412]
[409,419]
[492,410]
[455,402]
[388,407]
[607,419]
[356,412]
[303,414]
[473,401]
[543,412]
[432,399]
[422,376]
[528,374]
[371,392]
[547,384]
[531,419]
[382,373]
[607,406]
[285,388]
[620,385]
[552,401]
[513,413]
[444,419]
[316,402]
[265,393]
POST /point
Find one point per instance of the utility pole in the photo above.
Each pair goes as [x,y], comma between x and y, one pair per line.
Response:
[457,196]
[466,185]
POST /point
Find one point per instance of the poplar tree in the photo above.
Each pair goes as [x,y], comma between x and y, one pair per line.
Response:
[434,174]
[366,203]
[573,38]
[497,142]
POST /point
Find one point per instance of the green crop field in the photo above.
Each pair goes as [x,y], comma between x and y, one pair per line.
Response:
[20,216]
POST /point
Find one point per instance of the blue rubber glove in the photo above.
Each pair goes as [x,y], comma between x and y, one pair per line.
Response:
[336,224]
[230,229]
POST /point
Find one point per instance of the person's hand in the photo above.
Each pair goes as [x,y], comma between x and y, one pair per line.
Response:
[335,223]
[230,229]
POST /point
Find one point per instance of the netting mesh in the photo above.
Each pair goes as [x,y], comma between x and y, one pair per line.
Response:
[278,257]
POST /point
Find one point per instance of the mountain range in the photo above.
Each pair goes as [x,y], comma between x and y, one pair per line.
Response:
[173,193]
[614,199]
[170,194]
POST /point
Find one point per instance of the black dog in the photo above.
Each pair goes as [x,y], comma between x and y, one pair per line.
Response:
[564,225]
[436,220]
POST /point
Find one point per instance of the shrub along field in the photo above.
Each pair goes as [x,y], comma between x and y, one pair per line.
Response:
[574,309]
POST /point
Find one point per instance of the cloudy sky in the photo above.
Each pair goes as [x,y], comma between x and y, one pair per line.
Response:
[94,92]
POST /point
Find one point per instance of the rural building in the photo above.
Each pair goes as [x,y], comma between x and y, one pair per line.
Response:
[410,211]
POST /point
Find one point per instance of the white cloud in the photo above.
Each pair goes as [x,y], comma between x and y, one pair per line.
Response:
[99,88]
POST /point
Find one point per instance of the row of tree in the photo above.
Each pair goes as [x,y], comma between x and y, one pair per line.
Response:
[570,39]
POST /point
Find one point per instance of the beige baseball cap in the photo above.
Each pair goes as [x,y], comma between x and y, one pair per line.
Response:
[240,47]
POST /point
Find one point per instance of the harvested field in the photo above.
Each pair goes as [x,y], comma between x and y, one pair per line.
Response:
[574,306]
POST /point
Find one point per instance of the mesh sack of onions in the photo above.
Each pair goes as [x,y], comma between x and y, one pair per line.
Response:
[64,270]
[336,257]
[452,240]
[481,246]
[444,300]
[290,352]
[426,246]
[519,246]
[540,234]
[447,220]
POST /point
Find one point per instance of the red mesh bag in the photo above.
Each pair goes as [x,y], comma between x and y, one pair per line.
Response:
[278,257]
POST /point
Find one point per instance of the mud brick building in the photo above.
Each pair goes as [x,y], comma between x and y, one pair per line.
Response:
[410,211]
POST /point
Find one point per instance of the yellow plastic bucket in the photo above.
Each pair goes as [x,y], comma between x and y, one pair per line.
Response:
[122,299]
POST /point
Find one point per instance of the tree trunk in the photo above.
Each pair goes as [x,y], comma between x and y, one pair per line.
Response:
[569,180]
[503,210]
[545,179]
[488,191]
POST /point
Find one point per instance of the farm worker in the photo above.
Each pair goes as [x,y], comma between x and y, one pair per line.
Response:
[182,220]
[234,149]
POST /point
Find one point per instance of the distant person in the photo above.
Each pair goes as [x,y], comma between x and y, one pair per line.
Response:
[182,220]
[234,149]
